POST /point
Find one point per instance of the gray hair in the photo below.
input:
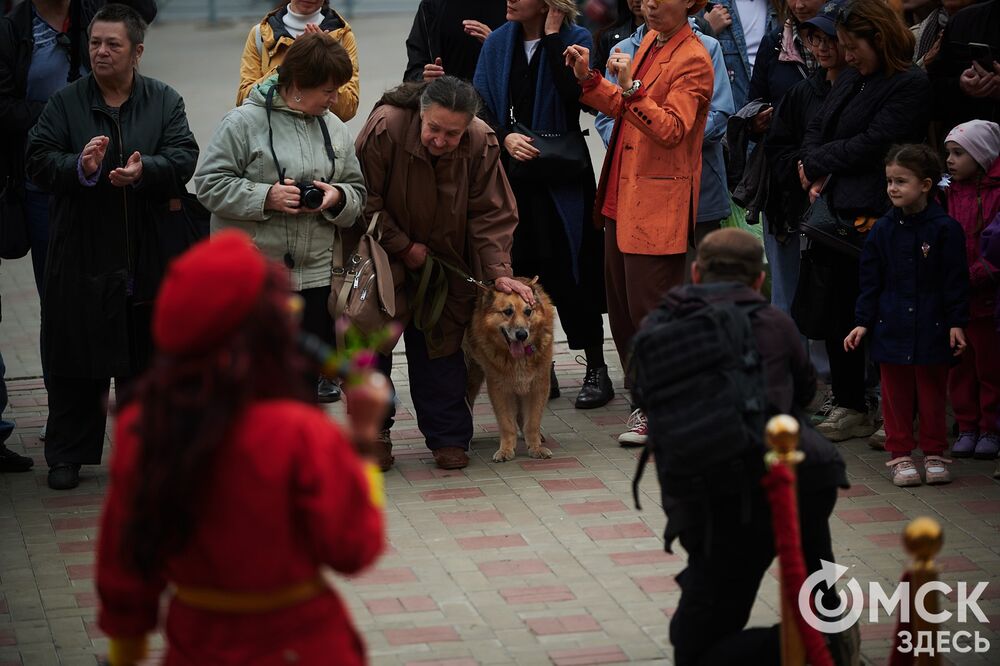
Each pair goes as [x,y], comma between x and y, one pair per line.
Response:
[453,94]
[135,27]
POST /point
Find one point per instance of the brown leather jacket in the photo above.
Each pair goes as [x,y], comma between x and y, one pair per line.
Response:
[460,207]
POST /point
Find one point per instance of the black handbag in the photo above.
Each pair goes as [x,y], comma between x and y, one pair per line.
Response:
[563,157]
[823,225]
[811,306]
[15,240]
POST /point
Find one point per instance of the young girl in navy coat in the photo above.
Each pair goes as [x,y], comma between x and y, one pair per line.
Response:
[914,301]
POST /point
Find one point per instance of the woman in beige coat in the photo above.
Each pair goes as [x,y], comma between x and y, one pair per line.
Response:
[289,192]
[433,172]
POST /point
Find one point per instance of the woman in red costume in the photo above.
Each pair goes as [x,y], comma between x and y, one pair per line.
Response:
[229,488]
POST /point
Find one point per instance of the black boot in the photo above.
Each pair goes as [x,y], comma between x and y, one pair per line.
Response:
[597,390]
[64,476]
[553,383]
[12,462]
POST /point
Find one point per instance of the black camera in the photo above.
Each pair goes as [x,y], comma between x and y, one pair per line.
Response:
[310,196]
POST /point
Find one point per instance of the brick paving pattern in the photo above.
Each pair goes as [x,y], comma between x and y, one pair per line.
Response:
[527,562]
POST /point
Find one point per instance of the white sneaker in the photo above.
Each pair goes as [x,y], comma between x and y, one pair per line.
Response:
[877,440]
[844,423]
[904,473]
[637,432]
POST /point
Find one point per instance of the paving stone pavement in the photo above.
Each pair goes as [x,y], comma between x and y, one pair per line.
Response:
[527,562]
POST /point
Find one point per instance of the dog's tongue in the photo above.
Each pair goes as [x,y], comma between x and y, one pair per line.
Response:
[517,349]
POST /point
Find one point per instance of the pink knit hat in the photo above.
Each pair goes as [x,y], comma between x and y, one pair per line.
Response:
[979,138]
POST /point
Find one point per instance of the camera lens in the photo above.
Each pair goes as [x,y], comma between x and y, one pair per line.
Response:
[312,197]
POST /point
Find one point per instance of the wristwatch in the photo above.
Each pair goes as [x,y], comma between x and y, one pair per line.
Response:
[633,89]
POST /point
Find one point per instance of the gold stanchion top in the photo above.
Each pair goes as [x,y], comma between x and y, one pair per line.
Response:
[923,539]
[782,433]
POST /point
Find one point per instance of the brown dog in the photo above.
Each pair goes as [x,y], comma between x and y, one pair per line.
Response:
[509,343]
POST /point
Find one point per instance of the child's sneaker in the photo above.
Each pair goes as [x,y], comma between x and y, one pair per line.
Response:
[877,440]
[965,445]
[936,470]
[904,473]
[637,432]
[987,447]
[844,423]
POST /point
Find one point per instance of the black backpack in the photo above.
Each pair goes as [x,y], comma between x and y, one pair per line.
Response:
[698,377]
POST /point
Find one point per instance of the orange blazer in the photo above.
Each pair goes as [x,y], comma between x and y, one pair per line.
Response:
[659,132]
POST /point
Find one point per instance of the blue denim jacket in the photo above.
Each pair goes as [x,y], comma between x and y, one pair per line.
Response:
[713,199]
[734,49]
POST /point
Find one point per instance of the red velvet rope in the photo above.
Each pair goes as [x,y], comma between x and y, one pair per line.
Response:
[780,485]
[898,658]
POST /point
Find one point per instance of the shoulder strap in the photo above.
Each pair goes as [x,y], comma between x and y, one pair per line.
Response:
[268,101]
[260,41]
[328,145]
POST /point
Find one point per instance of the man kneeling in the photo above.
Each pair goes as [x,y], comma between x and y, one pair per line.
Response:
[732,349]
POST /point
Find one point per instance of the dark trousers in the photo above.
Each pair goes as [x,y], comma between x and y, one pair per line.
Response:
[438,391]
[6,427]
[717,593]
[78,413]
[36,205]
[636,284]
[924,385]
[316,317]
[541,248]
[847,369]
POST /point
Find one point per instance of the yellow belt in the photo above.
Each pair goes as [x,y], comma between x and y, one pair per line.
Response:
[224,601]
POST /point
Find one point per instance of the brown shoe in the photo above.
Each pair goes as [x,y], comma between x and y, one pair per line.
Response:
[383,451]
[451,457]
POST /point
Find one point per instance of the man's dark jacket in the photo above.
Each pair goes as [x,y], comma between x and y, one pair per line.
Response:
[790,384]
[976,24]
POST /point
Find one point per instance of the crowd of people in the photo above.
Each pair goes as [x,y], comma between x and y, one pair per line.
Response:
[802,117]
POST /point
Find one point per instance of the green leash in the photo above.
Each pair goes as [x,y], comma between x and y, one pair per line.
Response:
[432,294]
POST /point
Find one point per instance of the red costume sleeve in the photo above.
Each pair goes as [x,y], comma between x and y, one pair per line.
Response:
[333,499]
[129,602]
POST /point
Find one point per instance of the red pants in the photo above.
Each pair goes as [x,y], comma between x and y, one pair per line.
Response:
[974,384]
[636,284]
[902,387]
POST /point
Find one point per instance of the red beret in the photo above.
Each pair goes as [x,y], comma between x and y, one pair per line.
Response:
[208,293]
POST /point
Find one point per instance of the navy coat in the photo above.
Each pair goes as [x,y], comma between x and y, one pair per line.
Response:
[914,287]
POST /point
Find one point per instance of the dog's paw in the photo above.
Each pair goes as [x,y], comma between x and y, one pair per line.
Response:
[540,452]
[504,456]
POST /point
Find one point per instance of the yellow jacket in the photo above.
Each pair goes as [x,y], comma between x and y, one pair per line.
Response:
[268,42]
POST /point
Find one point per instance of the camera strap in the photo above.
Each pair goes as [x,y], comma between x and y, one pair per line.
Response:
[327,142]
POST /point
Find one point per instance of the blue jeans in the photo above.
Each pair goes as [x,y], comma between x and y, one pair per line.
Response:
[6,427]
[785,259]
